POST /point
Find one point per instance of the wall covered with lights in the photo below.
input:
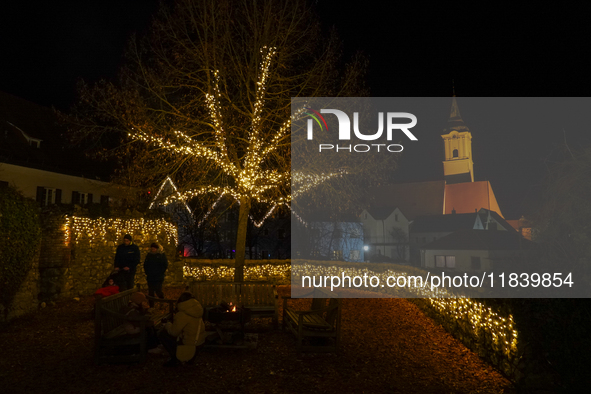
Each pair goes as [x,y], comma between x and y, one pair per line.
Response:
[77,253]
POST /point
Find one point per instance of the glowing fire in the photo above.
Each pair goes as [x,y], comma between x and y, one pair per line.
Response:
[234,308]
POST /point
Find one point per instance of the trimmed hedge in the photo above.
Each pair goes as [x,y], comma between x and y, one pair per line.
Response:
[20,237]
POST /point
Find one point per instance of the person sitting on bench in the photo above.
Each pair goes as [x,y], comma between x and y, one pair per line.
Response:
[135,307]
[187,327]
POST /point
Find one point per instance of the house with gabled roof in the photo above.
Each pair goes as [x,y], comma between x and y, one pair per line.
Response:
[475,251]
[35,159]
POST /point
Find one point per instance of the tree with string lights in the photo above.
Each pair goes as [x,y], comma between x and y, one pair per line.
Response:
[205,99]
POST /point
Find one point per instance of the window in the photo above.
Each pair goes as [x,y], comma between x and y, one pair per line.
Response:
[475,263]
[3,184]
[439,261]
[450,261]
[47,196]
[445,261]
[455,153]
[81,198]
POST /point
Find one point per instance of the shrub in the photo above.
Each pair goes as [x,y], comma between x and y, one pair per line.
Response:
[20,236]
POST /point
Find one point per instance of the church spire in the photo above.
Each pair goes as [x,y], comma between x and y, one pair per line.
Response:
[455,121]
[457,166]
[454,115]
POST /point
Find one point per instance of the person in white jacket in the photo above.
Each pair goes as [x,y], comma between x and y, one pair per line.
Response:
[187,328]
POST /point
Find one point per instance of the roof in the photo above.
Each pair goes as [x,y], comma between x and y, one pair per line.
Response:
[455,121]
[381,213]
[480,240]
[413,199]
[21,120]
[470,197]
[443,223]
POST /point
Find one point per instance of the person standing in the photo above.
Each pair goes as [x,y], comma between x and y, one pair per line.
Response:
[127,258]
[155,267]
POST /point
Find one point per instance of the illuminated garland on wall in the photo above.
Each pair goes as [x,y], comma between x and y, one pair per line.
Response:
[105,230]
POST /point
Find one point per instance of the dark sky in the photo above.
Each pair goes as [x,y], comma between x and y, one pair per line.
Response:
[414,51]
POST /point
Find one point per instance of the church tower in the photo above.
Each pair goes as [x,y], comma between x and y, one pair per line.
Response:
[457,166]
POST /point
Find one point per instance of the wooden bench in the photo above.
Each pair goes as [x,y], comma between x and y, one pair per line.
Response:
[322,320]
[110,331]
[260,298]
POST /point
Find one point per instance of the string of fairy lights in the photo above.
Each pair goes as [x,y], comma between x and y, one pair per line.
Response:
[251,271]
[481,320]
[308,181]
[251,179]
[102,230]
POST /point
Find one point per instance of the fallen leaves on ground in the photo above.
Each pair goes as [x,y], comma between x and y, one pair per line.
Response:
[388,346]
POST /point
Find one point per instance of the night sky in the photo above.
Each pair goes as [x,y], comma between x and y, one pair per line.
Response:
[414,51]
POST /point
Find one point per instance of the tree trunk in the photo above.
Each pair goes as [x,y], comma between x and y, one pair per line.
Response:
[241,238]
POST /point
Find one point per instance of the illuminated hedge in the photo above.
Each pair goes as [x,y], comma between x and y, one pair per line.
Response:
[275,271]
[474,318]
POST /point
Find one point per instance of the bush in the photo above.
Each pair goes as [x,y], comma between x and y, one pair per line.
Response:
[20,236]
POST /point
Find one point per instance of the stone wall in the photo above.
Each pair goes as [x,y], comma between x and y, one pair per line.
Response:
[77,254]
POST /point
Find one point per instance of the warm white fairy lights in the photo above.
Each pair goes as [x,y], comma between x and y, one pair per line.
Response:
[251,179]
[301,183]
[176,190]
[254,271]
[481,320]
[104,230]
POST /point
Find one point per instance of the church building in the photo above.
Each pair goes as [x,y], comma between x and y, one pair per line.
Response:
[388,223]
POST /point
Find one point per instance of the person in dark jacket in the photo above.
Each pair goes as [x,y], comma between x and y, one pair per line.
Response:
[155,266]
[127,258]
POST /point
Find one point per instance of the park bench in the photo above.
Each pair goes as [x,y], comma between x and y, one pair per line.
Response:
[317,329]
[109,329]
[259,298]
